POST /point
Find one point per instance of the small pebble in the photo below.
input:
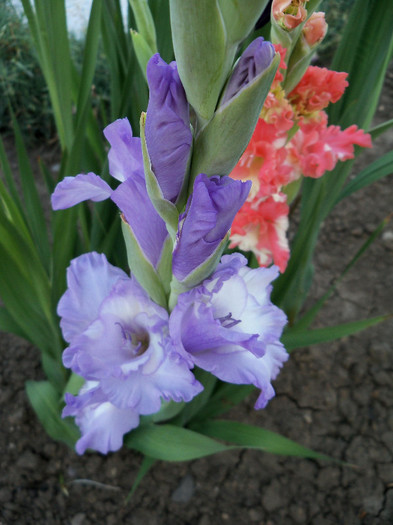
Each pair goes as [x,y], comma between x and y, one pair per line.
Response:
[185,490]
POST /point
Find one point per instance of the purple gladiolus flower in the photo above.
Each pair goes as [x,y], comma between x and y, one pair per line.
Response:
[255,60]
[228,326]
[119,343]
[126,165]
[168,133]
[208,217]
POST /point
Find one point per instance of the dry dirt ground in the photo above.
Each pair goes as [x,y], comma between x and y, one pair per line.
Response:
[335,398]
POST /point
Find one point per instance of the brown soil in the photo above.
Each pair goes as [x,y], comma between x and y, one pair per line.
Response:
[335,398]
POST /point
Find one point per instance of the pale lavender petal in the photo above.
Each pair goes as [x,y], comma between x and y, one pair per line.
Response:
[168,133]
[102,424]
[73,190]
[208,217]
[125,156]
[148,227]
[254,61]
[90,279]
[171,380]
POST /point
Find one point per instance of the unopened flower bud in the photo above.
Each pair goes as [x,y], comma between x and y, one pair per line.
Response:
[314,30]
[289,13]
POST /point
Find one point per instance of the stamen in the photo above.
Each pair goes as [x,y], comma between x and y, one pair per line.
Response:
[231,322]
[138,343]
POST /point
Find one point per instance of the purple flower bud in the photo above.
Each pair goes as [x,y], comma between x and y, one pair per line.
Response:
[209,214]
[168,134]
[255,60]
[229,327]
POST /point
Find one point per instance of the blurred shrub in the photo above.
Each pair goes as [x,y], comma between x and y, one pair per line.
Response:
[21,82]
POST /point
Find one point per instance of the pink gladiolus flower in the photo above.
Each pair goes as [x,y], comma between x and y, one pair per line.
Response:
[278,111]
[314,30]
[261,227]
[292,139]
[318,87]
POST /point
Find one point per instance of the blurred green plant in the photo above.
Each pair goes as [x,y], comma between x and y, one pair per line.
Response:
[22,84]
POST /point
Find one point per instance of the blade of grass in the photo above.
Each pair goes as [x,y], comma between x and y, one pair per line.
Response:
[375,171]
[146,465]
[310,315]
[376,131]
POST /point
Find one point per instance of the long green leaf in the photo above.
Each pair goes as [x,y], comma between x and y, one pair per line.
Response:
[368,28]
[172,443]
[294,339]
[45,402]
[9,178]
[34,208]
[89,56]
[255,437]
[8,324]
[224,399]
[375,171]
[380,129]
[48,26]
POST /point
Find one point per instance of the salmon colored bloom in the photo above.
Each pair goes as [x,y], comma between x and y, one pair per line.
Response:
[318,87]
[260,227]
[278,111]
[263,162]
[318,148]
[291,139]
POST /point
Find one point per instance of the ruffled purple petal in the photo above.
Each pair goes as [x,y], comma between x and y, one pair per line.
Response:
[125,156]
[168,134]
[244,368]
[209,215]
[255,60]
[231,328]
[90,279]
[73,190]
[148,227]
